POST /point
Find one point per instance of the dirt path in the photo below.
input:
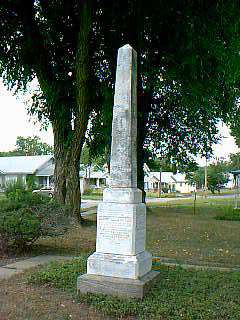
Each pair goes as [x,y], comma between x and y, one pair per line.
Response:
[19,301]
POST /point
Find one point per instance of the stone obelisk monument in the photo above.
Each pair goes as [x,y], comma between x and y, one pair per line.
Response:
[121,265]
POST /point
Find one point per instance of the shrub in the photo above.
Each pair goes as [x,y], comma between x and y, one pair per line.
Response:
[165,189]
[24,217]
[53,216]
[31,181]
[15,190]
[88,192]
[33,199]
[18,229]
[92,191]
[28,200]
[23,223]
[17,193]
[229,213]
[8,205]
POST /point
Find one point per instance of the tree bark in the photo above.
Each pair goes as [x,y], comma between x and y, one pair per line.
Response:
[73,194]
[82,112]
[68,141]
[60,152]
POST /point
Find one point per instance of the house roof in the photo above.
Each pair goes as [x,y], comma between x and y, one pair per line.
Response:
[235,172]
[93,174]
[22,164]
[46,170]
[180,177]
[166,177]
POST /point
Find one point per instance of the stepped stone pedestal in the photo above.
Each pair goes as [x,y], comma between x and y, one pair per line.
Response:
[121,266]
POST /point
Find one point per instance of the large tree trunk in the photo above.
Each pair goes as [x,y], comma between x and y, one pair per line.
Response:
[68,141]
[73,197]
[61,132]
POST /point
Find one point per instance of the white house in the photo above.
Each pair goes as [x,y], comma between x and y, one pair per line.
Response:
[231,182]
[17,168]
[42,167]
[45,173]
[92,178]
[169,181]
[20,167]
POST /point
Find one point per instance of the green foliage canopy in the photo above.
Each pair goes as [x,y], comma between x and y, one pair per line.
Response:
[216,176]
[188,65]
[29,146]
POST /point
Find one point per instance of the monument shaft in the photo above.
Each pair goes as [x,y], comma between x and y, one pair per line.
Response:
[123,166]
[121,217]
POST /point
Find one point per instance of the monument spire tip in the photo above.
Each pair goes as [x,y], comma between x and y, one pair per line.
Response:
[126,46]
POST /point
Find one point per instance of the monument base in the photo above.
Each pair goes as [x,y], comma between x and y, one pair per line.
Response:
[118,287]
[121,266]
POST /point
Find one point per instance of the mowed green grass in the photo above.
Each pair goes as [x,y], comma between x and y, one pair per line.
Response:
[177,232]
[178,293]
[173,231]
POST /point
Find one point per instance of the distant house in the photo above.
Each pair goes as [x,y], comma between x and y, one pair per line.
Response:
[169,181]
[18,168]
[90,178]
[45,173]
[231,181]
[42,167]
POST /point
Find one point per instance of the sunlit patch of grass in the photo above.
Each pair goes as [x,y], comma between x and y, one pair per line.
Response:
[175,232]
[178,233]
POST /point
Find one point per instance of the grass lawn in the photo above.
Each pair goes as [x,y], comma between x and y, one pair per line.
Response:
[92,197]
[20,301]
[222,192]
[50,293]
[173,231]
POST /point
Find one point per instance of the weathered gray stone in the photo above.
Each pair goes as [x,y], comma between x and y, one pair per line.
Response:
[122,195]
[120,266]
[123,165]
[118,287]
[121,228]
[121,217]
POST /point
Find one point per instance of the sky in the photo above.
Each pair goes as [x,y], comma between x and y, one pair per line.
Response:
[14,121]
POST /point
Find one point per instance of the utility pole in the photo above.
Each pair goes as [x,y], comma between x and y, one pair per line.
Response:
[236,191]
[206,181]
[160,183]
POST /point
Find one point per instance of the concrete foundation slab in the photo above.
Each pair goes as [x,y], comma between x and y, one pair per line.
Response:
[118,287]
